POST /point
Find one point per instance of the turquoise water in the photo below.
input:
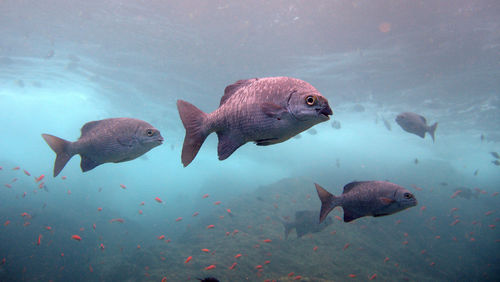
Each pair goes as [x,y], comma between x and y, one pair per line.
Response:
[64,64]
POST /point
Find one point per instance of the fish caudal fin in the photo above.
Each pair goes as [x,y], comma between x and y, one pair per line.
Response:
[432,130]
[193,121]
[328,202]
[61,148]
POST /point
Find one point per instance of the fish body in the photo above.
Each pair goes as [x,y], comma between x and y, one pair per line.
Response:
[263,110]
[104,141]
[306,222]
[366,198]
[416,124]
[495,155]
[496,162]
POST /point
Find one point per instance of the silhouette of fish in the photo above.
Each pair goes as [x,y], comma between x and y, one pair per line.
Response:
[103,141]
[263,110]
[306,222]
[366,198]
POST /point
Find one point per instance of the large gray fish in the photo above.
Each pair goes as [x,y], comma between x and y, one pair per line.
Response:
[416,124]
[263,110]
[366,198]
[306,222]
[111,140]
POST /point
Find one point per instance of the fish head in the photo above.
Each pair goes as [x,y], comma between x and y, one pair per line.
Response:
[405,198]
[402,118]
[309,106]
[149,136]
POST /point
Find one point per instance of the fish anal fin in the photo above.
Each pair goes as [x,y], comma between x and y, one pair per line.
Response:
[266,142]
[228,143]
[349,215]
[273,110]
[87,164]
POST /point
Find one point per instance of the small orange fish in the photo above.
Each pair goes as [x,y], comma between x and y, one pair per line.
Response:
[210,267]
[90,268]
[26,172]
[205,196]
[488,212]
[161,237]
[101,247]
[48,228]
[76,237]
[138,246]
[205,250]
[237,256]
[7,223]
[188,259]
[454,195]
[210,226]
[69,192]
[99,209]
[405,242]
[298,277]
[178,219]
[455,222]
[346,246]
[158,200]
[352,275]
[315,248]
[196,213]
[3,261]
[258,266]
[39,178]
[217,203]
[24,194]
[39,240]
[62,254]
[123,186]
[14,180]
[16,168]
[164,279]
[233,266]
[494,194]
[8,185]
[267,240]
[267,262]
[228,210]
[386,259]
[373,276]
[63,177]
[140,211]
[291,274]
[142,203]
[120,220]
[93,226]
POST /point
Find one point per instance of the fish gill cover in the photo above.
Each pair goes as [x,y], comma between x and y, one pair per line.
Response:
[64,64]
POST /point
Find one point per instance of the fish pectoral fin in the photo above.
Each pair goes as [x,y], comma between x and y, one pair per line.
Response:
[266,142]
[126,141]
[386,201]
[349,215]
[228,143]
[87,164]
[272,110]
[380,214]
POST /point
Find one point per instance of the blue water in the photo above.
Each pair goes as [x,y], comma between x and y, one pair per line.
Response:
[63,64]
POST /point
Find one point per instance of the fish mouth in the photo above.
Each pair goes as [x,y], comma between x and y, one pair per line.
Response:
[325,112]
[160,140]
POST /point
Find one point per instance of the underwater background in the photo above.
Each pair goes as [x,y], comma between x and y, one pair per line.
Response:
[65,63]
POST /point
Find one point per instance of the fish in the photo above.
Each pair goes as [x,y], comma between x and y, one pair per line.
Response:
[366,198]
[466,193]
[305,222]
[416,124]
[104,141]
[495,155]
[312,131]
[496,162]
[416,161]
[209,279]
[266,111]
[386,124]
[336,124]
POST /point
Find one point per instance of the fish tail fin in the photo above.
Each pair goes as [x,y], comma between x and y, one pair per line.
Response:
[193,120]
[432,130]
[62,149]
[328,202]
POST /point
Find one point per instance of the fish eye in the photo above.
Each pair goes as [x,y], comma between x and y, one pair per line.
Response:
[407,196]
[150,132]
[310,100]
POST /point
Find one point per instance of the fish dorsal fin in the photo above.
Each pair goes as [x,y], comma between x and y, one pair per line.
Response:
[231,89]
[351,185]
[89,126]
[87,163]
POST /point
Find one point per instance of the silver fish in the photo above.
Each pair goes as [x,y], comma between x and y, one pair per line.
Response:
[263,110]
[416,124]
[366,198]
[109,140]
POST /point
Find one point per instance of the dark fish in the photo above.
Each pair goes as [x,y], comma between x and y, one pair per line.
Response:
[312,131]
[416,124]
[443,184]
[263,110]
[208,279]
[416,161]
[306,222]
[336,124]
[366,198]
[496,162]
[482,137]
[386,124]
[476,172]
[495,155]
[466,193]
[104,141]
